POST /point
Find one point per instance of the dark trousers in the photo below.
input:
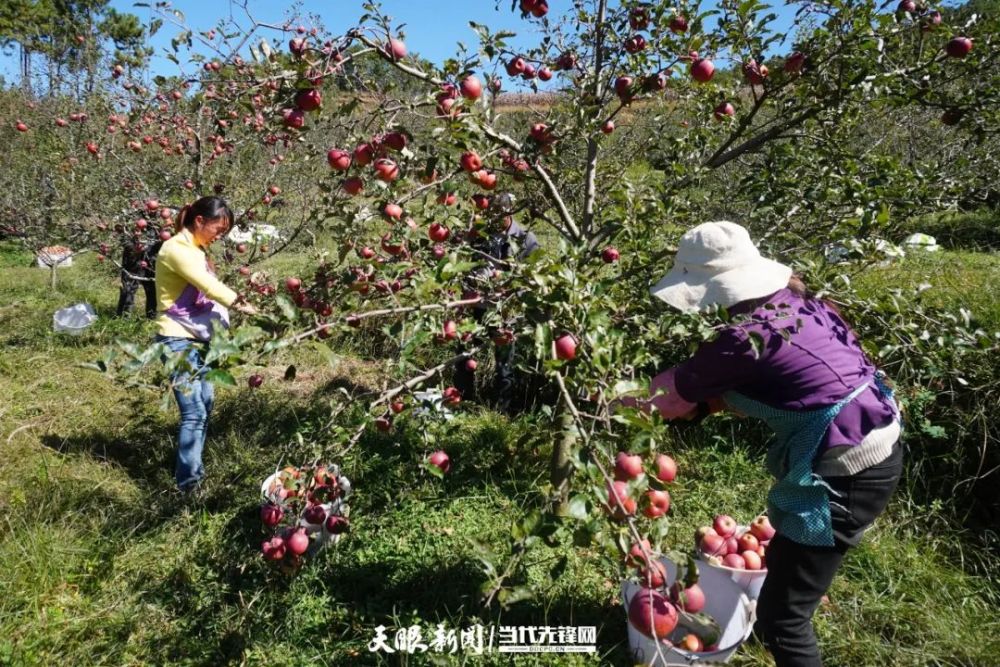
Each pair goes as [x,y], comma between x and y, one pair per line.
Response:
[126,296]
[503,378]
[799,575]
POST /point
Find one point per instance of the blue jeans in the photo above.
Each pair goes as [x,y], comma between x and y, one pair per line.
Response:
[195,397]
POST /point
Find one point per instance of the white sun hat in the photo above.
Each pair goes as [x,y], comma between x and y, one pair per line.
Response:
[717,263]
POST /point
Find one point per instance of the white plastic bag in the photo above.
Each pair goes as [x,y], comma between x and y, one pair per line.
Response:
[922,241]
[74,319]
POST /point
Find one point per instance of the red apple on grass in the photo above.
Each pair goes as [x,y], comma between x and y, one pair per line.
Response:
[440,460]
[255,381]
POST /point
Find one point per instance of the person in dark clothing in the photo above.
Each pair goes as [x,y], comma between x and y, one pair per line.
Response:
[138,268]
[504,240]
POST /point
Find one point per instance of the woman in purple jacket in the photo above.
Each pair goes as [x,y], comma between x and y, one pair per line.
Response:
[790,359]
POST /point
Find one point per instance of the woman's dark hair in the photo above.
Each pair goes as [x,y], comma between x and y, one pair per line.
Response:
[209,208]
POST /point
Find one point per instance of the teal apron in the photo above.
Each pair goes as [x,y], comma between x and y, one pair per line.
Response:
[798,504]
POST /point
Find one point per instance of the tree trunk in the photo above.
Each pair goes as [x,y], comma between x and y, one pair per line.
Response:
[561,468]
[26,70]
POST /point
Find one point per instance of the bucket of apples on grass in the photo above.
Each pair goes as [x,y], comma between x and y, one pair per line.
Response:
[679,610]
[304,510]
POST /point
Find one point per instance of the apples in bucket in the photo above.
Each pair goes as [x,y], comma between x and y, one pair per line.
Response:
[727,544]
[304,509]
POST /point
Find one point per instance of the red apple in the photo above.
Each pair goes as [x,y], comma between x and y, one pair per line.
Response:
[658,504]
[958,47]
[274,548]
[298,542]
[702,70]
[652,614]
[255,381]
[440,460]
[471,365]
[393,211]
[565,347]
[623,88]
[297,45]
[754,73]
[690,599]
[438,232]
[712,544]
[470,161]
[638,18]
[654,576]
[141,224]
[732,546]
[724,110]
[309,99]
[293,284]
[314,514]
[635,44]
[666,468]
[386,170]
[335,524]
[762,529]
[794,62]
[691,643]
[751,560]
[619,502]
[678,25]
[544,74]
[21,127]
[338,159]
[353,185]
[747,542]
[449,331]
[293,118]
[608,126]
[702,531]
[724,525]
[734,561]
[446,198]
[395,49]
[471,87]
[364,154]
[627,466]
[165,235]
[271,514]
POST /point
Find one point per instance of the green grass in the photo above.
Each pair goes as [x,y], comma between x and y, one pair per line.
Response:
[101,564]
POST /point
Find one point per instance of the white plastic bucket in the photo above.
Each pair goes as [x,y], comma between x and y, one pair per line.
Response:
[74,319]
[749,581]
[725,602]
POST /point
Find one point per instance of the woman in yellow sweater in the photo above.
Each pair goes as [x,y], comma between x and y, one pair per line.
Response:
[192,303]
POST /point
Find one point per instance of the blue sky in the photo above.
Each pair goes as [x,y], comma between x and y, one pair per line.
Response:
[433,27]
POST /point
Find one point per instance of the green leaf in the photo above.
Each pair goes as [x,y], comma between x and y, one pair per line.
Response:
[220,376]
